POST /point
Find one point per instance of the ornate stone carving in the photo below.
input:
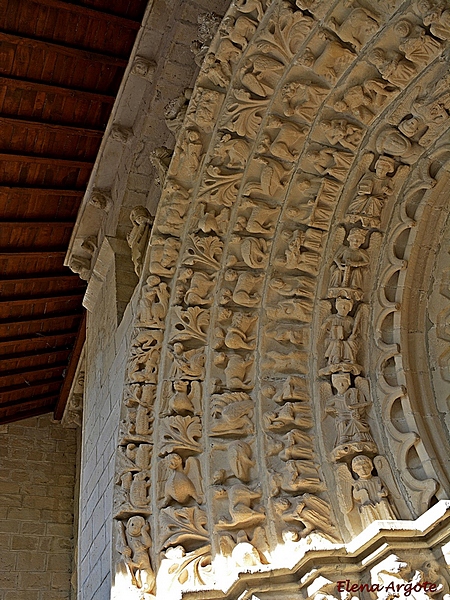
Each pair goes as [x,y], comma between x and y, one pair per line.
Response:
[154,303]
[144,67]
[348,267]
[182,482]
[133,544]
[232,413]
[349,407]
[164,256]
[358,27]
[137,238]
[101,199]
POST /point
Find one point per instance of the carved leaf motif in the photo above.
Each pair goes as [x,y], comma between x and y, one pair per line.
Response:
[193,324]
[185,526]
[285,33]
[204,251]
[196,565]
[221,188]
[245,114]
[181,433]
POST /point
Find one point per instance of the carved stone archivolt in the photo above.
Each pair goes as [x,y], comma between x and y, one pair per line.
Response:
[271,399]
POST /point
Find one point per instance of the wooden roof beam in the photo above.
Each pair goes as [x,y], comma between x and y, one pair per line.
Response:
[44,160]
[28,414]
[66,49]
[92,12]
[40,279]
[18,387]
[30,84]
[24,301]
[6,358]
[55,367]
[53,127]
[13,253]
[11,403]
[44,319]
[47,337]
[20,189]
[33,223]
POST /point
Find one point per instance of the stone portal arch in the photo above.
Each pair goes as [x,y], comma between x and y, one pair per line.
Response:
[282,385]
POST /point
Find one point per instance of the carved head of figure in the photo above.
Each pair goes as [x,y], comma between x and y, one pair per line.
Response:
[356,237]
[341,382]
[363,466]
[174,461]
[409,126]
[377,57]
[140,215]
[135,525]
[403,28]
[180,386]
[384,165]
[343,306]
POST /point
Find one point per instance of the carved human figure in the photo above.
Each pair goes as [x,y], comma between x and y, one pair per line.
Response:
[312,513]
[302,98]
[154,302]
[417,47]
[328,161]
[348,407]
[187,364]
[295,257]
[239,30]
[239,455]
[176,203]
[137,238]
[340,131]
[366,100]
[139,489]
[190,154]
[237,334]
[133,544]
[183,481]
[342,336]
[371,194]
[350,262]
[260,74]
[297,476]
[370,493]
[164,255]
[287,142]
[435,15]
[160,158]
[290,414]
[181,400]
[396,141]
[246,290]
[357,28]
[261,220]
[392,66]
[195,287]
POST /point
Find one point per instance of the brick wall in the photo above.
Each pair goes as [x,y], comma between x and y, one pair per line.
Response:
[37,474]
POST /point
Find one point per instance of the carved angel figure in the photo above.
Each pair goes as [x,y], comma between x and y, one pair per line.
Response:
[182,482]
[364,491]
[349,264]
[137,238]
[133,544]
[372,192]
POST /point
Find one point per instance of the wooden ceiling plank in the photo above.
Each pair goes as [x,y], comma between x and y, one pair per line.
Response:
[39,299]
[52,49]
[92,12]
[34,223]
[47,160]
[13,253]
[28,414]
[31,370]
[55,127]
[27,401]
[24,84]
[7,358]
[38,279]
[45,191]
[54,381]
[24,322]
[46,337]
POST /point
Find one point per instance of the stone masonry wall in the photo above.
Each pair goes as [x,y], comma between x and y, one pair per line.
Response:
[37,476]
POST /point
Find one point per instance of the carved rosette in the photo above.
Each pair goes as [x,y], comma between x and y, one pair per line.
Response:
[255,381]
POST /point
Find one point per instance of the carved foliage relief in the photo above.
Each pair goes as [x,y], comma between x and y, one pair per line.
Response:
[250,378]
